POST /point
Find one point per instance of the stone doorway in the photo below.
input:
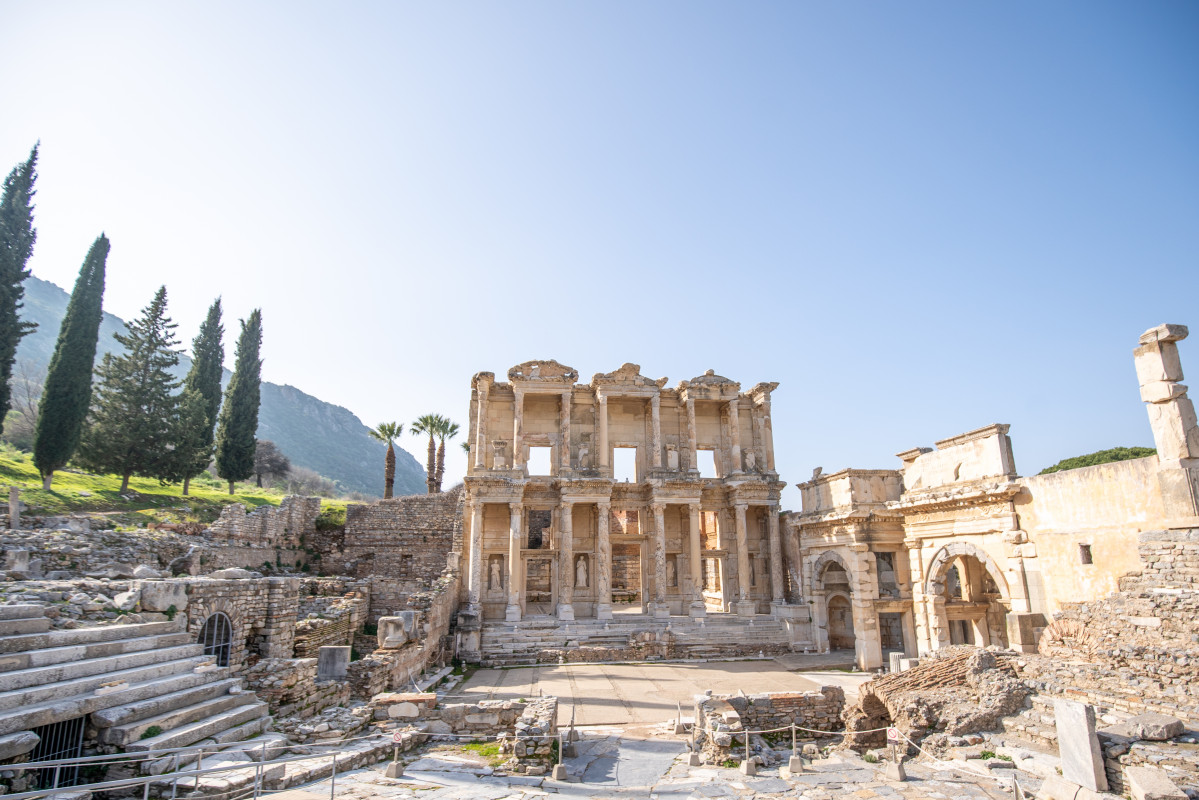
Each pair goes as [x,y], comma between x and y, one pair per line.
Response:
[890,630]
[540,597]
[840,624]
[628,582]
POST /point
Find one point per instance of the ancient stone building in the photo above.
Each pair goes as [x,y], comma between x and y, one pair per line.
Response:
[620,495]
[955,548]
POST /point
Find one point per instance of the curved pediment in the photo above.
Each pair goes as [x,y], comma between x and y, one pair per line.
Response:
[628,376]
[548,371]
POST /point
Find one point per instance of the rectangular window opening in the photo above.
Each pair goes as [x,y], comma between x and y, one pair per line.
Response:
[1084,554]
[539,460]
[705,462]
[624,464]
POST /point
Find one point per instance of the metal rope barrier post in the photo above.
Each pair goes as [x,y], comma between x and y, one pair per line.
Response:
[333,777]
[748,767]
[795,763]
[559,773]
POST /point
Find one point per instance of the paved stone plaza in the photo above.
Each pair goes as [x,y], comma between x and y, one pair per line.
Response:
[636,694]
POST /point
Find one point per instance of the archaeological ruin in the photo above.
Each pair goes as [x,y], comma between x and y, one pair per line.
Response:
[623,521]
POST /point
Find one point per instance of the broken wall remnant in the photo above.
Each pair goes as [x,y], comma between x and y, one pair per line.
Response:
[268,526]
[721,720]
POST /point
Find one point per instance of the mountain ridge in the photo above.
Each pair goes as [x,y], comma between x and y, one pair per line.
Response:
[320,436]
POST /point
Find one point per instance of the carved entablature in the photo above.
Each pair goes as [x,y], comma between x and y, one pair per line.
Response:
[710,386]
[760,394]
[482,379]
[627,380]
[549,374]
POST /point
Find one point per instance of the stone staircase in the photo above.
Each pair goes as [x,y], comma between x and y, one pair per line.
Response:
[143,687]
[520,643]
[1035,727]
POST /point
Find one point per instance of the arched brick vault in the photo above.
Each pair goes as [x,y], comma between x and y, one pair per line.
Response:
[939,568]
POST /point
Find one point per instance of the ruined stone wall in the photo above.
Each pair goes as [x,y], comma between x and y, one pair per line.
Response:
[721,720]
[403,539]
[393,670]
[268,526]
[1137,649]
[262,612]
[329,621]
[60,554]
[290,687]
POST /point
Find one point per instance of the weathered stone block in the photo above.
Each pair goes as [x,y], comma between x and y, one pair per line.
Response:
[161,595]
[1078,745]
[15,744]
[1147,783]
[1154,727]
[332,663]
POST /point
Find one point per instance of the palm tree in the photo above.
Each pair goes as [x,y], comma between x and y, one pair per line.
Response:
[388,432]
[427,426]
[446,430]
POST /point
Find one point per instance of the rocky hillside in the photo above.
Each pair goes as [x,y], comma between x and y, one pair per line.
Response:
[314,434]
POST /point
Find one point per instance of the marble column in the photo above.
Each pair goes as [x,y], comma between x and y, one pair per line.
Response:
[601,435]
[693,464]
[564,444]
[777,595]
[735,435]
[566,567]
[655,407]
[480,454]
[920,602]
[745,606]
[518,425]
[767,435]
[475,585]
[791,549]
[603,563]
[512,612]
[698,609]
[659,607]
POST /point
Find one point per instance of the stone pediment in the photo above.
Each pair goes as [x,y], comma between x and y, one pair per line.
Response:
[710,386]
[710,378]
[544,371]
[628,376]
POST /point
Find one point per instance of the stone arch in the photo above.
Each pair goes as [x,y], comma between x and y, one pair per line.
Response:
[216,636]
[938,568]
[822,563]
[202,609]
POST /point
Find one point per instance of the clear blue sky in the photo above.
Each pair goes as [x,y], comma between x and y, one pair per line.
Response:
[919,218]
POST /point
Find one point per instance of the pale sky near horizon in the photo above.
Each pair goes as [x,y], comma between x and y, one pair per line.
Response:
[918,218]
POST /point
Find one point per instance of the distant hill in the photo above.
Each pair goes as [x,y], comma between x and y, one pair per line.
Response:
[320,436]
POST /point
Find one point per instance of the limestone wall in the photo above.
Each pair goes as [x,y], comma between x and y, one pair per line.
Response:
[330,619]
[722,719]
[403,539]
[290,687]
[268,526]
[262,612]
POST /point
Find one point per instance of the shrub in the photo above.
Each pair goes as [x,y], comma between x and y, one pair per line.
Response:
[1100,457]
[870,758]
[151,731]
[171,612]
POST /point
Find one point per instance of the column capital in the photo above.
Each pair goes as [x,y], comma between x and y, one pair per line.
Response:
[658,506]
[741,505]
[604,505]
[566,505]
[516,507]
[655,399]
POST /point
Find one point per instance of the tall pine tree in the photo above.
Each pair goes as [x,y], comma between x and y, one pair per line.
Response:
[235,442]
[17,236]
[133,421]
[68,390]
[204,380]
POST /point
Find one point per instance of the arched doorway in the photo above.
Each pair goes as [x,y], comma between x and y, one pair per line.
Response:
[217,637]
[970,598]
[840,623]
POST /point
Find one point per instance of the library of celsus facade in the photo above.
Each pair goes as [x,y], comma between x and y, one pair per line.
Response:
[620,496]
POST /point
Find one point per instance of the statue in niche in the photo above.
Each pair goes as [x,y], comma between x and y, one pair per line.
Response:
[672,579]
[498,458]
[672,458]
[751,461]
[581,573]
[496,581]
[584,456]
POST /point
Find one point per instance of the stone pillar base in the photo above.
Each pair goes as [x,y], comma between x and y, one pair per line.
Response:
[749,767]
[395,769]
[566,611]
[745,608]
[659,610]
[512,614]
[777,608]
[697,609]
[603,611]
[794,766]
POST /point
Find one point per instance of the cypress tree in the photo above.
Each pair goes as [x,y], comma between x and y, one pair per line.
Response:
[204,379]
[68,390]
[17,236]
[238,422]
[133,422]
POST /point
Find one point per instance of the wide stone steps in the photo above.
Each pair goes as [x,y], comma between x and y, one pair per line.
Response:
[59,690]
[191,733]
[16,627]
[80,652]
[162,703]
[175,719]
[63,704]
[57,673]
[67,637]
